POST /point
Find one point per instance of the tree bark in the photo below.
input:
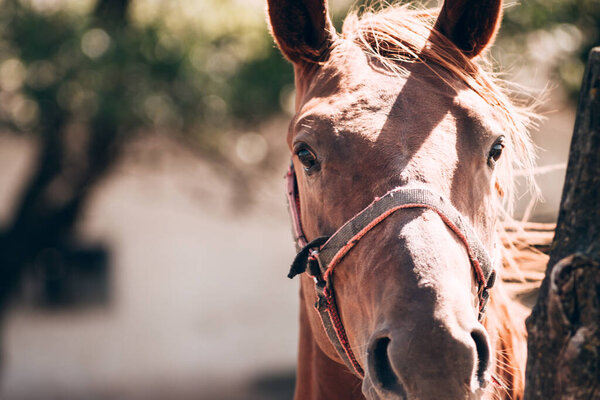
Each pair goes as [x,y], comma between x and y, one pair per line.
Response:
[564,326]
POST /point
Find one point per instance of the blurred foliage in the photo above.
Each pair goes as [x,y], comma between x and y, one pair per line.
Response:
[81,68]
[556,33]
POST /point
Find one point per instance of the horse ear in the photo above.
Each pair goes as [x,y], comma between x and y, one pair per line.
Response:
[470,24]
[301,28]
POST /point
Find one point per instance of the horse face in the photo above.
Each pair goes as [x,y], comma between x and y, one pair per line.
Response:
[406,292]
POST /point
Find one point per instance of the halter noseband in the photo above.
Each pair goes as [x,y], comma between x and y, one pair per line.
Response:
[322,254]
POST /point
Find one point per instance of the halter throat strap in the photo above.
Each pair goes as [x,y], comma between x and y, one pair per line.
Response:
[320,256]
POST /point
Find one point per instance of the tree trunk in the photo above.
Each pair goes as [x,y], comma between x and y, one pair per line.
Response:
[564,326]
[41,220]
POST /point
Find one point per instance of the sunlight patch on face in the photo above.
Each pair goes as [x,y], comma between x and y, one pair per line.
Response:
[436,161]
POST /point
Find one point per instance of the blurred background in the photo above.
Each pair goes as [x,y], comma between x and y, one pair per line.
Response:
[144,236]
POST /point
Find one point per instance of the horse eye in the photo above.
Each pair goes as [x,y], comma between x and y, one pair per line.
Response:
[307,158]
[496,151]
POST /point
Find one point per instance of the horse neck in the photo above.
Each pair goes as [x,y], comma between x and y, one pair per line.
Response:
[318,376]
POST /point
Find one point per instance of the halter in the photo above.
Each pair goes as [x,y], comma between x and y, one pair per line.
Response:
[319,257]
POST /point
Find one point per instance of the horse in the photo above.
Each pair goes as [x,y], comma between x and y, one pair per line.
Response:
[404,148]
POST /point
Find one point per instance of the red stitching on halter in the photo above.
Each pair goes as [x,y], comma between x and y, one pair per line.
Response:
[352,242]
[341,332]
[292,195]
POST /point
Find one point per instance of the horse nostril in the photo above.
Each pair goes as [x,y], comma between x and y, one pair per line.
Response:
[382,373]
[483,355]
[383,369]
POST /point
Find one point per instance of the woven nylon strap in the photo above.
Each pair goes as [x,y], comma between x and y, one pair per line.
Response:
[321,255]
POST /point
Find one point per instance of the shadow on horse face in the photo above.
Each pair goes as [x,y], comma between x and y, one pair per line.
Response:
[406,293]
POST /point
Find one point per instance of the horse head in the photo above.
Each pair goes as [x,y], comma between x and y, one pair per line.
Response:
[396,102]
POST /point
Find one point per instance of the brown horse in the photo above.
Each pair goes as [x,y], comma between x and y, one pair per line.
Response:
[397,117]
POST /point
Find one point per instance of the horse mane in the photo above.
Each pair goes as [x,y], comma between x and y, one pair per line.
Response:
[395,35]
[524,248]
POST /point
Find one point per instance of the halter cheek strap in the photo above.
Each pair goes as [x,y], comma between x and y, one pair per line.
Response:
[321,255]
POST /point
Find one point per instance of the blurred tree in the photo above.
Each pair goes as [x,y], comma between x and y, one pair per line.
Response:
[87,84]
